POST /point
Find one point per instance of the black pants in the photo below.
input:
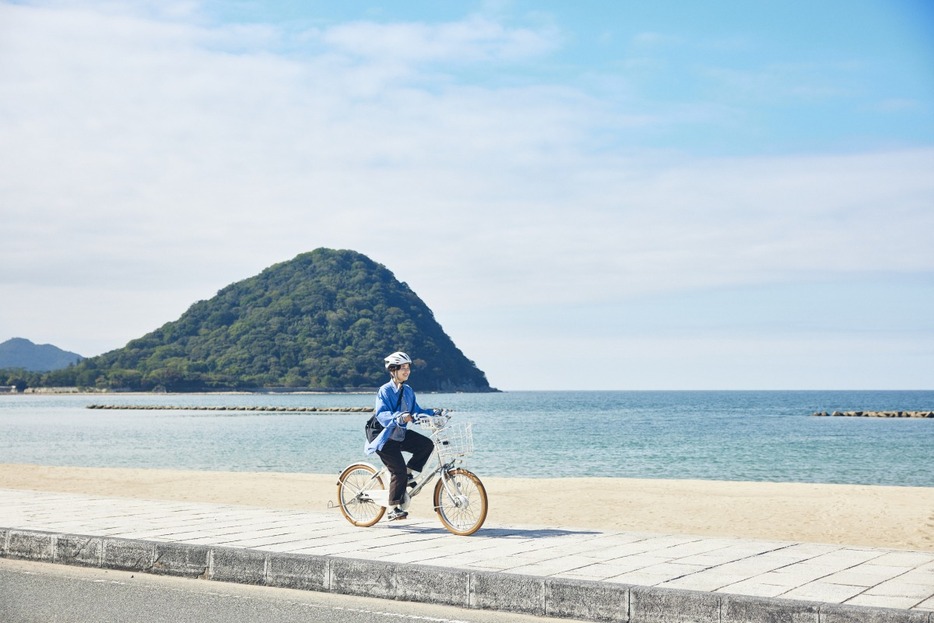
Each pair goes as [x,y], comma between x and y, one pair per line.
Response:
[419,446]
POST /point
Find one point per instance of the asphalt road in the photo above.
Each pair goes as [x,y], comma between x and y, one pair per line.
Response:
[44,593]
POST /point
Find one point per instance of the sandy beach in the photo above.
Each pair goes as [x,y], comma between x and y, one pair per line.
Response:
[875,516]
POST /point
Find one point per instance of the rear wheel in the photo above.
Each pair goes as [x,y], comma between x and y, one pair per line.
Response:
[352,487]
[460,501]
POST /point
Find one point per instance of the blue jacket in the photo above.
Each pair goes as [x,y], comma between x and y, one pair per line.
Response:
[387,398]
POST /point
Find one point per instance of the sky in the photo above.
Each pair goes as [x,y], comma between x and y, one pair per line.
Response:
[590,195]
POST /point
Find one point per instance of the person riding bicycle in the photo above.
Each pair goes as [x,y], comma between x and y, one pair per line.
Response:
[387,433]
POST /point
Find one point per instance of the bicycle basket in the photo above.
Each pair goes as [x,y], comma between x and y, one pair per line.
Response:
[454,440]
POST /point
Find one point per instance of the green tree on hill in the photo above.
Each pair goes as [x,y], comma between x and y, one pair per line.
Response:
[323,320]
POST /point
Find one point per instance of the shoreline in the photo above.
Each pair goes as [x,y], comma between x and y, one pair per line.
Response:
[855,515]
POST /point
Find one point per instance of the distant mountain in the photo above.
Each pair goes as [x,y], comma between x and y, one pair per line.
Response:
[20,353]
[323,320]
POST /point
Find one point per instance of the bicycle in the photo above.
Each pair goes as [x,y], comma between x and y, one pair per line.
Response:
[459,497]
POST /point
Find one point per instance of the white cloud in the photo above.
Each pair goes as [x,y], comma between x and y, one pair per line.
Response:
[678,363]
[471,40]
[774,83]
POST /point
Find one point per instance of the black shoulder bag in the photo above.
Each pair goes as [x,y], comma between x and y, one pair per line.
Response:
[373,427]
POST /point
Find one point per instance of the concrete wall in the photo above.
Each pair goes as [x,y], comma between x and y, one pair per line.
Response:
[555,597]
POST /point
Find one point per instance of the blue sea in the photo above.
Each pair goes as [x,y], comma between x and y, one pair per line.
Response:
[713,435]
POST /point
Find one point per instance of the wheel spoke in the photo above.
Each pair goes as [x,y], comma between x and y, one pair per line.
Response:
[461,502]
[354,481]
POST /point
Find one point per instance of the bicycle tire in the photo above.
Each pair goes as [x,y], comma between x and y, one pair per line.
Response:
[464,514]
[354,480]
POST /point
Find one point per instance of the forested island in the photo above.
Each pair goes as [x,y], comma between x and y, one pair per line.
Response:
[22,354]
[321,321]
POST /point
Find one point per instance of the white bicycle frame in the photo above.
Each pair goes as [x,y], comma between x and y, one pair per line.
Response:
[381,496]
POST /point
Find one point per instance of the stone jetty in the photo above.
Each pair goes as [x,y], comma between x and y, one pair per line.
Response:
[234,408]
[893,414]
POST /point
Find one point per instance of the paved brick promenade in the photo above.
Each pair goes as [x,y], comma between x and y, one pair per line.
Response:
[559,572]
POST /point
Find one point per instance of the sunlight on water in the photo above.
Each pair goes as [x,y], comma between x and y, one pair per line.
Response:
[762,436]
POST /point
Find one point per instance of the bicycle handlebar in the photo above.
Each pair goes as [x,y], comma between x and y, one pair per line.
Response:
[433,422]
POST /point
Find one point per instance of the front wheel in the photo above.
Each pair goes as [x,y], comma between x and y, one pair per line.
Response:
[353,493]
[460,501]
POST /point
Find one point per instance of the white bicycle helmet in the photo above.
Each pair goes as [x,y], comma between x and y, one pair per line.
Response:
[398,358]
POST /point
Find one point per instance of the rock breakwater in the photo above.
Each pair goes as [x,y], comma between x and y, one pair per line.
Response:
[888,414]
[234,408]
